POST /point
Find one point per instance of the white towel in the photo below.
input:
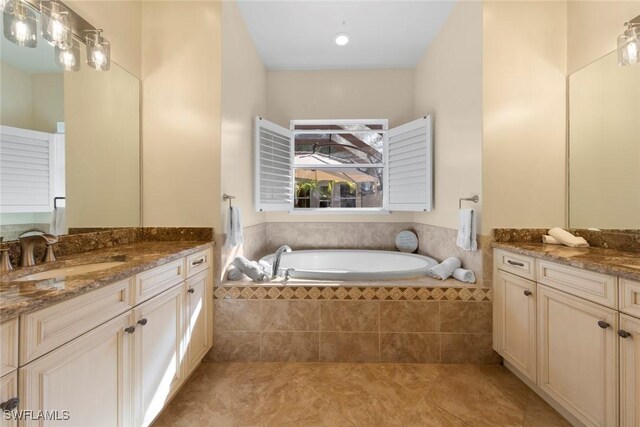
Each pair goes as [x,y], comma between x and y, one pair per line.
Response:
[550,240]
[467,230]
[567,238]
[233,228]
[463,275]
[251,268]
[58,224]
[234,273]
[445,269]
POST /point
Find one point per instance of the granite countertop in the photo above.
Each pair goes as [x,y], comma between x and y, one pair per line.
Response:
[607,261]
[17,298]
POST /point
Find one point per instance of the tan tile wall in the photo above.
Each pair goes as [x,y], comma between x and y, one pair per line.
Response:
[353,331]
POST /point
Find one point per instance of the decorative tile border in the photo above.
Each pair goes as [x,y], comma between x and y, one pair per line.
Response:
[371,293]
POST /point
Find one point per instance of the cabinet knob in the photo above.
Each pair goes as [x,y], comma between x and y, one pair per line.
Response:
[191,290]
[623,334]
[142,322]
[130,329]
[10,405]
[528,293]
[603,324]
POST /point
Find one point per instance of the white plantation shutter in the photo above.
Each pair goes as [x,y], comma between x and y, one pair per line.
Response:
[26,170]
[410,166]
[273,154]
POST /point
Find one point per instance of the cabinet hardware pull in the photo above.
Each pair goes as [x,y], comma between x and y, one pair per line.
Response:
[191,290]
[603,324]
[528,293]
[10,405]
[130,329]
[142,322]
[519,264]
[623,334]
[198,262]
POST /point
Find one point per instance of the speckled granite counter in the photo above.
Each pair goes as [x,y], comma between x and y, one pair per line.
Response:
[17,298]
[607,261]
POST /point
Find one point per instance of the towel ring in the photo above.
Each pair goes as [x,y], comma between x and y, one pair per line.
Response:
[228,198]
[474,199]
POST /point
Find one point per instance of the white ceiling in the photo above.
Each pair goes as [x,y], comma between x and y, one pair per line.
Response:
[298,35]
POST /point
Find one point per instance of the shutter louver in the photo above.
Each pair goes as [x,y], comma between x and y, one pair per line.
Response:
[410,164]
[25,170]
[274,182]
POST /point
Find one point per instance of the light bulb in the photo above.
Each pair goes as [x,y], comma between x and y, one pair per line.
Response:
[55,24]
[98,57]
[20,24]
[21,30]
[342,39]
[629,45]
[98,51]
[632,52]
[68,55]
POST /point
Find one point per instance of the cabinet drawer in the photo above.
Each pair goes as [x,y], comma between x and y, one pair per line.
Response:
[51,327]
[630,297]
[520,265]
[152,282]
[592,286]
[8,346]
[198,262]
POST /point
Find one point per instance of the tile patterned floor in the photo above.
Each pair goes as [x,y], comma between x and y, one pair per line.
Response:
[338,394]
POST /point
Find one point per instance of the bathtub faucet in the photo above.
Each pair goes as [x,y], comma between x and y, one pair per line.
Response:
[276,260]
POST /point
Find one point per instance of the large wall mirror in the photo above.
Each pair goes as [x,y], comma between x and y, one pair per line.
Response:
[604,146]
[70,149]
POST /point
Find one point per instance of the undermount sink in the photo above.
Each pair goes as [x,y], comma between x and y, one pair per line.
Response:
[70,271]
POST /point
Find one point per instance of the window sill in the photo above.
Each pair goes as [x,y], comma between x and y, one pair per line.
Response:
[340,211]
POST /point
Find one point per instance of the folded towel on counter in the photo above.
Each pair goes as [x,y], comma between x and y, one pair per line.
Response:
[234,274]
[233,228]
[567,238]
[550,240]
[467,230]
[463,275]
[251,268]
[445,269]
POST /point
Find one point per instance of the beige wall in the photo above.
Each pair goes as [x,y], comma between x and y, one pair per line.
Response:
[448,83]
[48,101]
[593,27]
[524,109]
[181,69]
[243,97]
[120,20]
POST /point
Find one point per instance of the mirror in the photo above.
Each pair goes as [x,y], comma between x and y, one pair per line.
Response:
[72,136]
[604,146]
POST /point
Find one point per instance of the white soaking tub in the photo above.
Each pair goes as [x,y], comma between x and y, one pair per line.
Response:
[353,264]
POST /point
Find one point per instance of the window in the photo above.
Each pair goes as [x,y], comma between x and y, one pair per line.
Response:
[343,165]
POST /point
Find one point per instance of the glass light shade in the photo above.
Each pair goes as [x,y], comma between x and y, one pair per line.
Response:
[629,46]
[20,24]
[68,56]
[98,52]
[55,23]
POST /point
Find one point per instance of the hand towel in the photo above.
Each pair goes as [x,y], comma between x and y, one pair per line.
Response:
[445,269]
[58,224]
[233,228]
[463,275]
[250,268]
[567,238]
[550,240]
[467,230]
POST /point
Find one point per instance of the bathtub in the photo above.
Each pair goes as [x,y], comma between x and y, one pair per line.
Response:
[353,264]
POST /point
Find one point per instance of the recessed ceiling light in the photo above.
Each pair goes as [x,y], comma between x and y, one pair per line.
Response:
[342,39]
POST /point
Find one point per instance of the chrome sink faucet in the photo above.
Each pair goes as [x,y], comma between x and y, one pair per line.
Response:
[276,260]
[28,240]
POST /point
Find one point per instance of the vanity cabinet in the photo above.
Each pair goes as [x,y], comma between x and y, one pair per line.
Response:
[8,391]
[629,371]
[199,322]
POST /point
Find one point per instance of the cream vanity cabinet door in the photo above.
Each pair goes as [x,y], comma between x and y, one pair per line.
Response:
[198,321]
[159,352]
[8,398]
[516,322]
[90,377]
[629,371]
[578,358]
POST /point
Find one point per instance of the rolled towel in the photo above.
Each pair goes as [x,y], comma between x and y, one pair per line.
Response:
[266,267]
[445,269]
[567,238]
[463,275]
[234,274]
[250,268]
[550,240]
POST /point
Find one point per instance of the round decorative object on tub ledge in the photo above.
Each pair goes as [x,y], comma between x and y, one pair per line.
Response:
[407,241]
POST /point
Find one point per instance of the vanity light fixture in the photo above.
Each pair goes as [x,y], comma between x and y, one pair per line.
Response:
[20,25]
[98,51]
[55,23]
[68,55]
[629,43]
[342,39]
